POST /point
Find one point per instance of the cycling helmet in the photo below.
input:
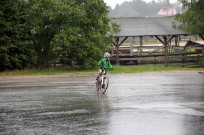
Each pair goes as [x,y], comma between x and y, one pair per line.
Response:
[106,55]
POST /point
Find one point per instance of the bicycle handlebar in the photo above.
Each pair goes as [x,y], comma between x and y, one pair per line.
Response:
[107,68]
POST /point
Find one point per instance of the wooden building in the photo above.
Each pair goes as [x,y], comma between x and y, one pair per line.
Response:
[159,27]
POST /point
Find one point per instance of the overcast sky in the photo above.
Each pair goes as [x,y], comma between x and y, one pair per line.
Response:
[113,3]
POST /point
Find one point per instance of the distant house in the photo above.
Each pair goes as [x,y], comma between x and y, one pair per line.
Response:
[166,12]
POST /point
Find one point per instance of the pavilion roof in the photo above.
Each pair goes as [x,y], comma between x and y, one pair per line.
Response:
[147,26]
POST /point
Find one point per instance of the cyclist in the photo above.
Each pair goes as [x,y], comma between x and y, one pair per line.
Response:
[104,63]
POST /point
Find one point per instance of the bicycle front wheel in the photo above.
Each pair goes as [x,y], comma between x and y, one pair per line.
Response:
[104,84]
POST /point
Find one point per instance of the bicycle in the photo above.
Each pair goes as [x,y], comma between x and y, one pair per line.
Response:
[102,82]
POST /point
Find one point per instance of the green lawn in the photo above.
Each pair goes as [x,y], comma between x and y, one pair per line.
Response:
[117,70]
[152,68]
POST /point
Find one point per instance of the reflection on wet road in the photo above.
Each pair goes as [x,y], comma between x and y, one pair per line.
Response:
[166,103]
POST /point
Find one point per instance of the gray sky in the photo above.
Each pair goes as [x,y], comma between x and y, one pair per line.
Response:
[113,3]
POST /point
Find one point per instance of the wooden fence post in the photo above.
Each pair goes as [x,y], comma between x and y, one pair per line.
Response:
[117,49]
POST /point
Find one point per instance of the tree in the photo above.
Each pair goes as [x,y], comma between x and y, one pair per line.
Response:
[15,44]
[77,28]
[39,31]
[45,18]
[192,17]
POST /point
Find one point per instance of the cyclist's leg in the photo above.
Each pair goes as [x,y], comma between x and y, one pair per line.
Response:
[99,73]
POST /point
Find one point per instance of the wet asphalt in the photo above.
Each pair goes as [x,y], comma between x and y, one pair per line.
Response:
[157,103]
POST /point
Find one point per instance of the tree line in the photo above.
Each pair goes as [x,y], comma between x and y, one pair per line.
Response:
[35,32]
[140,8]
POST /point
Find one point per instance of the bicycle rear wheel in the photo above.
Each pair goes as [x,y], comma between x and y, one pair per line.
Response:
[98,85]
[104,85]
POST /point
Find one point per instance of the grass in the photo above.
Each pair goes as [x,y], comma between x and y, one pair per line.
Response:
[117,70]
[50,71]
[152,68]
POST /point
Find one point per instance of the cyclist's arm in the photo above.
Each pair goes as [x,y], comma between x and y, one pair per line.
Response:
[101,64]
[109,65]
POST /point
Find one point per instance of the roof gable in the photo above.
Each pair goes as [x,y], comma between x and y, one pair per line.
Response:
[147,26]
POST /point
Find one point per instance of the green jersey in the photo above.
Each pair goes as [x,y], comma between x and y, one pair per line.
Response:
[105,63]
